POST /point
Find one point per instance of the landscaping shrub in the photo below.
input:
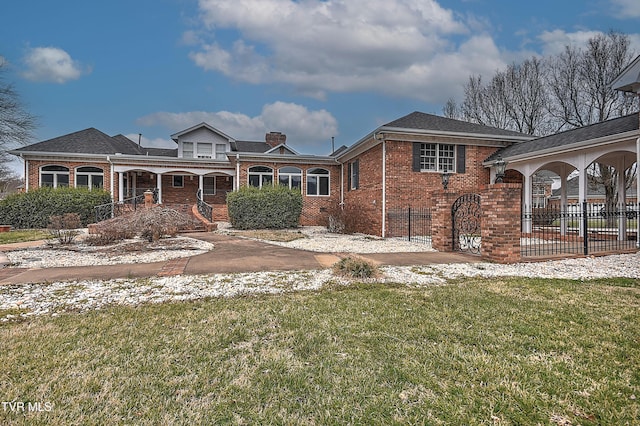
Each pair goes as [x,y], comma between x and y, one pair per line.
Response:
[151,224]
[65,227]
[33,209]
[343,219]
[355,268]
[271,207]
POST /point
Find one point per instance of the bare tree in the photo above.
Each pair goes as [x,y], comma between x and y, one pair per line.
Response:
[16,127]
[560,92]
[513,99]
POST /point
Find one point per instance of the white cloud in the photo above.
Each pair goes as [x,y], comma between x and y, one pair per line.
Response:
[554,42]
[626,9]
[152,143]
[397,47]
[304,128]
[51,64]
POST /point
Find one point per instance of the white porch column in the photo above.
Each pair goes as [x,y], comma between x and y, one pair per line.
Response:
[527,195]
[622,200]
[201,184]
[237,182]
[159,186]
[582,191]
[120,187]
[563,201]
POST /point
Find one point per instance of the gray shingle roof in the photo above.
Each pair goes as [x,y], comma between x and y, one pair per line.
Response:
[581,134]
[423,121]
[250,146]
[88,141]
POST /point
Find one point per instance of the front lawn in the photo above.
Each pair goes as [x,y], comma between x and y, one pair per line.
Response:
[499,351]
[22,235]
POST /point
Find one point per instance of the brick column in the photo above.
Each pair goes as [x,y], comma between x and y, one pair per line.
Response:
[441,225]
[501,217]
[148,199]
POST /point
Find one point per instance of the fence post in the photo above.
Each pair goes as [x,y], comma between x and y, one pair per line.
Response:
[585,224]
[409,223]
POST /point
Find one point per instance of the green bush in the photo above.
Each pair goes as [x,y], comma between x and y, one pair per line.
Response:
[32,210]
[271,207]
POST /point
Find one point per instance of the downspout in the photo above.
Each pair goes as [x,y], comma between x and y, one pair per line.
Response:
[237,184]
[341,184]
[26,173]
[384,187]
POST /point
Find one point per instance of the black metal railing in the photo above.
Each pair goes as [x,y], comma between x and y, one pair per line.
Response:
[203,208]
[580,229]
[114,209]
[411,223]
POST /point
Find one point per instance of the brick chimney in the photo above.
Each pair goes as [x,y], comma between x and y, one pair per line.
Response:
[274,139]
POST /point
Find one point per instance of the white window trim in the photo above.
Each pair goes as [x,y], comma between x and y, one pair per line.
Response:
[55,174]
[289,175]
[328,176]
[173,181]
[260,174]
[90,176]
[437,157]
[215,185]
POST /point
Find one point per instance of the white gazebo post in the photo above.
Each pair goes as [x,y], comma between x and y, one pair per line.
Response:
[563,201]
[622,201]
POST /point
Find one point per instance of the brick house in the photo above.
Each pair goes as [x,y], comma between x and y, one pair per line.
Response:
[399,164]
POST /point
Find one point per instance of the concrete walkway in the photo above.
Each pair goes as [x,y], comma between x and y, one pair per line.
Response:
[231,255]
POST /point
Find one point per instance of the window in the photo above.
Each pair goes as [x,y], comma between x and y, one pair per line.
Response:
[317,182]
[290,177]
[178,181]
[539,196]
[221,151]
[260,176]
[89,177]
[354,174]
[204,150]
[437,157]
[187,149]
[209,185]
[54,176]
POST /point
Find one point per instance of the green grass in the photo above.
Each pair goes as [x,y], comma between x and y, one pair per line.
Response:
[23,235]
[500,351]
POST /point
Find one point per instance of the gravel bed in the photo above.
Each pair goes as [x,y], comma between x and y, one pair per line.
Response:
[25,300]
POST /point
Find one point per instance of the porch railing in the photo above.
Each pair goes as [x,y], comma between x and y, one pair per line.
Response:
[580,229]
[114,209]
[203,208]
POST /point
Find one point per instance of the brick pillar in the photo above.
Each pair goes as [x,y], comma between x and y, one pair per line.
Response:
[148,199]
[441,225]
[501,216]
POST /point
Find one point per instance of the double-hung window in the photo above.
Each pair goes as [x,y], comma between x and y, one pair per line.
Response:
[437,157]
[204,150]
[317,182]
[187,149]
[209,185]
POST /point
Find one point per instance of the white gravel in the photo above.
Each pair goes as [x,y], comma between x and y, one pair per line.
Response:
[21,301]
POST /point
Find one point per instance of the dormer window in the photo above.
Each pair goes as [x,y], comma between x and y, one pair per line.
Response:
[204,150]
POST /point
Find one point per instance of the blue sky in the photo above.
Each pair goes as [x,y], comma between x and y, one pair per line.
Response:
[311,69]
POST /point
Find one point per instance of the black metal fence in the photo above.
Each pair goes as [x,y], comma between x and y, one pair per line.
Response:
[579,229]
[111,210]
[411,223]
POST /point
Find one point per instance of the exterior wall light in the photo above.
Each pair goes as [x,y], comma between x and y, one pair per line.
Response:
[500,166]
[445,179]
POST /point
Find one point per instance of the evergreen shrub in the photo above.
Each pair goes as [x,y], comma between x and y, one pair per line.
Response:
[269,207]
[33,209]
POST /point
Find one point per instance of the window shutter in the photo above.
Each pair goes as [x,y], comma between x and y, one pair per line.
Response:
[460,161]
[348,176]
[416,156]
[356,174]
